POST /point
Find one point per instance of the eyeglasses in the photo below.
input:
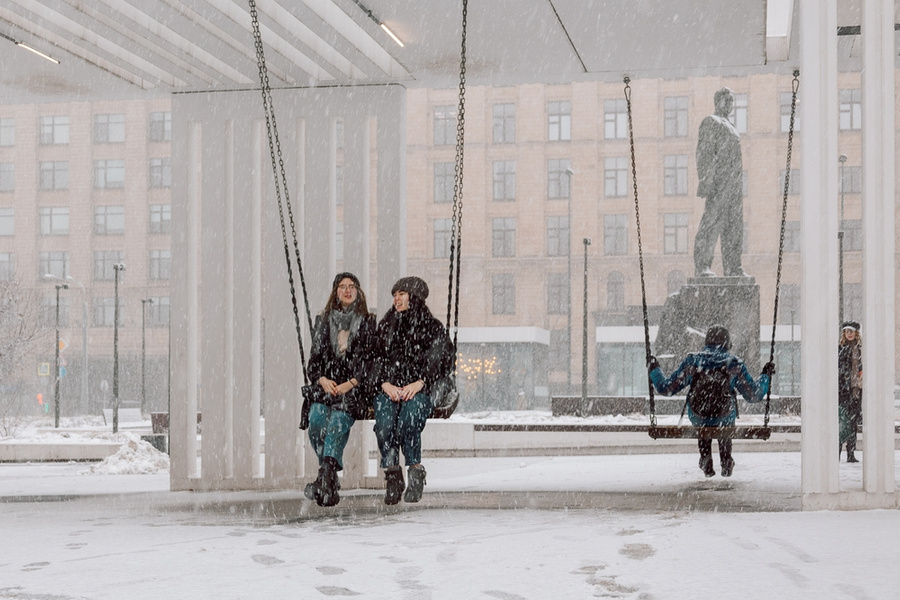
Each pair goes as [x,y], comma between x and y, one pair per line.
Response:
[346,288]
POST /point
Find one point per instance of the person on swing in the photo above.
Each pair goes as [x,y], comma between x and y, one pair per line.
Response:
[713,377]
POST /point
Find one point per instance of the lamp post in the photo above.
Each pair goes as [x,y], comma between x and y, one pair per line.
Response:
[59,286]
[569,172]
[118,267]
[84,336]
[584,347]
[144,303]
[841,159]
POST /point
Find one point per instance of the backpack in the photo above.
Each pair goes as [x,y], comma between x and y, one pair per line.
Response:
[711,395]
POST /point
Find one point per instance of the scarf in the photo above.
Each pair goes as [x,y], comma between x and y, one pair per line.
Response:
[343,324]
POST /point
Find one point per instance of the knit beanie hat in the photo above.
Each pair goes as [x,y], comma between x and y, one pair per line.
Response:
[414,286]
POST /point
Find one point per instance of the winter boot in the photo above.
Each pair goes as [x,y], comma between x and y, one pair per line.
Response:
[416,484]
[312,489]
[727,467]
[394,484]
[328,490]
[706,465]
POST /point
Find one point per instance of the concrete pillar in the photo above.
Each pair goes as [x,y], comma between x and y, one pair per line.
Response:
[357,215]
[819,251]
[878,139]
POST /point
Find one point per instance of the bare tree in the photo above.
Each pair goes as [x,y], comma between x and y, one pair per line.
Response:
[20,328]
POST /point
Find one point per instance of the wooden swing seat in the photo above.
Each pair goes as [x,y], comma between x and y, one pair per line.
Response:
[745,432]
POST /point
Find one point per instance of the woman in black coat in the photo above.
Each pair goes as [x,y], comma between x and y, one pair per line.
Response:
[412,356]
[850,368]
[342,355]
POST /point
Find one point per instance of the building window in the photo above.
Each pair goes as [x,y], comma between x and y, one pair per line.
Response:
[504,237]
[504,180]
[738,114]
[109,220]
[674,282]
[558,236]
[161,172]
[104,264]
[54,175]
[784,101]
[675,174]
[559,349]
[675,111]
[109,174]
[53,263]
[559,180]
[504,123]
[47,316]
[615,235]
[7,177]
[444,125]
[615,292]
[109,129]
[158,312]
[54,130]
[559,121]
[7,221]
[503,294]
[792,236]
[442,234]
[615,119]
[105,312]
[54,220]
[160,264]
[444,180]
[789,304]
[851,180]
[675,233]
[793,184]
[615,177]
[160,218]
[161,127]
[7,266]
[853,237]
[7,131]
[557,293]
[850,113]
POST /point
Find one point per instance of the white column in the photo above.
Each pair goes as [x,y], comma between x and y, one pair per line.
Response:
[878,135]
[819,252]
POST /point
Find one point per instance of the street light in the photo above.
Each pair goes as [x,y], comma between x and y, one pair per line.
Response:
[84,336]
[584,348]
[144,303]
[117,268]
[842,159]
[59,286]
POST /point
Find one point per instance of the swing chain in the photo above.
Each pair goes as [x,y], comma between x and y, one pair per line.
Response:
[637,218]
[795,86]
[456,221]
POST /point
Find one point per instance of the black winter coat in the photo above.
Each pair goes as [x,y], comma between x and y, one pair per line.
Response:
[357,363]
[413,345]
[846,399]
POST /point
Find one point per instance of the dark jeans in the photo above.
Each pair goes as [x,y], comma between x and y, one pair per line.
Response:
[399,425]
[329,430]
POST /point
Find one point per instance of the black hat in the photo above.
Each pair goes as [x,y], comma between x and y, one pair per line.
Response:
[414,286]
[850,325]
[718,336]
[341,276]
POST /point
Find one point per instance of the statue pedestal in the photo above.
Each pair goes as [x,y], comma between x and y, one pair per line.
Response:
[705,301]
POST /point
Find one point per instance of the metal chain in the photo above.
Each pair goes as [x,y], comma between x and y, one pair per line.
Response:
[795,85]
[280,183]
[456,222]
[637,219]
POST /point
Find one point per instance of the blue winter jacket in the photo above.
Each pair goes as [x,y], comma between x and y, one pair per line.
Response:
[712,357]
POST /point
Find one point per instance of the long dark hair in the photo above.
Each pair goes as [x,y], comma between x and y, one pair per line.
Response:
[360,306]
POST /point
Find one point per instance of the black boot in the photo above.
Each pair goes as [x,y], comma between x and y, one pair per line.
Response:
[394,484]
[706,462]
[416,484]
[851,448]
[328,490]
[312,489]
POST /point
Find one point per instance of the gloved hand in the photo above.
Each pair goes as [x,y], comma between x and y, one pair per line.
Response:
[652,363]
[769,369]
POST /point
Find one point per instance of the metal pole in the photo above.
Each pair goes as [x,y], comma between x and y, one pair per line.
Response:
[584,347]
[59,286]
[144,302]
[117,268]
[792,354]
[842,159]
[569,173]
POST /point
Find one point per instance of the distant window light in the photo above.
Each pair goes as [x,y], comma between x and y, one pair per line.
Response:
[504,180]
[558,236]
[54,130]
[444,125]
[109,220]
[54,220]
[54,175]
[109,174]
[504,123]
[675,114]
[615,177]
[109,129]
[559,121]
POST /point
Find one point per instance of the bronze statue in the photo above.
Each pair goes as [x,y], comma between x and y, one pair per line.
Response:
[720,171]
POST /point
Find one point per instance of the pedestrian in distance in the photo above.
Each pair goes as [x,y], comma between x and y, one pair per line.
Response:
[713,377]
[850,368]
[340,363]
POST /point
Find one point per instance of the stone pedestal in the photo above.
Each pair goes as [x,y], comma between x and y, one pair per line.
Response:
[705,301]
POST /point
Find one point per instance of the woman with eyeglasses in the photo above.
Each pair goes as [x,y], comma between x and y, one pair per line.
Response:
[343,351]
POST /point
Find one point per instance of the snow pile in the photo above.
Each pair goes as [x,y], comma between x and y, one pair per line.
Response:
[135,457]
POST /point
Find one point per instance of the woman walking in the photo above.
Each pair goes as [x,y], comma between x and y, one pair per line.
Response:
[849,387]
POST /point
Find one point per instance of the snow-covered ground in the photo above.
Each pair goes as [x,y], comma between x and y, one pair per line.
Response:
[77,531]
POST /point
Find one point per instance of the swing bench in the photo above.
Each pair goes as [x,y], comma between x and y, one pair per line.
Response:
[748,432]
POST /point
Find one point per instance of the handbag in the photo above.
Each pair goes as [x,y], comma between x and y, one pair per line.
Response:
[445,397]
[311,393]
